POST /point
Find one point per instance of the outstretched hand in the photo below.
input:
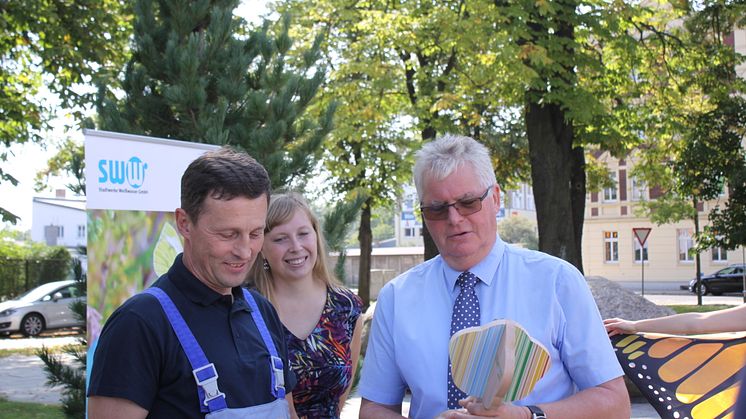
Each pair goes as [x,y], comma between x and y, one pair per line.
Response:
[617,326]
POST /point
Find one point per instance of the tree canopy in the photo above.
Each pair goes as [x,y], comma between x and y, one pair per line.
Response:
[197,73]
[61,45]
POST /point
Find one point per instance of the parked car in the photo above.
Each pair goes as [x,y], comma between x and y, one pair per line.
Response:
[729,279]
[44,307]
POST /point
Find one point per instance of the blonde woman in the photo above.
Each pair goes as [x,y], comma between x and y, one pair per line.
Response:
[322,318]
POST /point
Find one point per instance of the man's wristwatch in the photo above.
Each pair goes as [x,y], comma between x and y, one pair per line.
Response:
[536,413]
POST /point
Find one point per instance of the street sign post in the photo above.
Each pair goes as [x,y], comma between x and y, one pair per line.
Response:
[641,234]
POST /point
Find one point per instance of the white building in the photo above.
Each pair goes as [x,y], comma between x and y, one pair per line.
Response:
[59,221]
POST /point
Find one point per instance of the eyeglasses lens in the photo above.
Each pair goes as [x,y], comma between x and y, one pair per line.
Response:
[463,206]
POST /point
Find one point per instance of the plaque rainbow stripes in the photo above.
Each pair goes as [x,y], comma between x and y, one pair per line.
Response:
[497,361]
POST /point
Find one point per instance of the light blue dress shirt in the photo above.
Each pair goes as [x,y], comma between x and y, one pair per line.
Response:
[408,343]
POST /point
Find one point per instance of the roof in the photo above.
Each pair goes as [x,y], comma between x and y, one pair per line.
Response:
[76,204]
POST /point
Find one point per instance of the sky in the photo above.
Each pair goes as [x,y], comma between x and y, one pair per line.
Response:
[25,160]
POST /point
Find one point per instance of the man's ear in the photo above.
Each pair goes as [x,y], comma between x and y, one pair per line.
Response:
[496,196]
[183,222]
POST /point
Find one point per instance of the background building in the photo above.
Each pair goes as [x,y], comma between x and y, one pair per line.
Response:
[611,250]
[59,221]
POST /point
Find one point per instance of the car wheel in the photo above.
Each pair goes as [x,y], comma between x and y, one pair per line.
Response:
[32,324]
[705,290]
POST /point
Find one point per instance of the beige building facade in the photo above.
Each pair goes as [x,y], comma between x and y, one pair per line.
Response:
[611,250]
[609,245]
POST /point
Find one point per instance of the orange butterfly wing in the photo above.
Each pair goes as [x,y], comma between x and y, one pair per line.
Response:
[685,377]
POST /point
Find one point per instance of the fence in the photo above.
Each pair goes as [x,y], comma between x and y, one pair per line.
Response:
[386,263]
[19,275]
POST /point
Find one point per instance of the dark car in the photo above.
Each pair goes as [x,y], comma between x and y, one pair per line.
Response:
[728,279]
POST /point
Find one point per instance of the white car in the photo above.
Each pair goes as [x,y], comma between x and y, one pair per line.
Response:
[44,307]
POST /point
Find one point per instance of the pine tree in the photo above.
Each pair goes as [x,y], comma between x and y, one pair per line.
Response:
[198,73]
[72,377]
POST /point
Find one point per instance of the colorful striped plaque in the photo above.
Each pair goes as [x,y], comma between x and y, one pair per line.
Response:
[497,361]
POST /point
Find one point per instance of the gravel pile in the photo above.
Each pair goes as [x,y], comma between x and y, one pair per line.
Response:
[615,301]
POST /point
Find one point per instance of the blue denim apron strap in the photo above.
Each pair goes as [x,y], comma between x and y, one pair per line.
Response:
[275,362]
[205,374]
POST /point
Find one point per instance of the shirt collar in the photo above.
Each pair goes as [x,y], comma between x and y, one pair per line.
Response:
[193,288]
[485,270]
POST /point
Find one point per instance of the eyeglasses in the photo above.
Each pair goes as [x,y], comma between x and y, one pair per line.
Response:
[464,207]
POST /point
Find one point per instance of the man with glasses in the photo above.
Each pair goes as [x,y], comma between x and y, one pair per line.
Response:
[477,278]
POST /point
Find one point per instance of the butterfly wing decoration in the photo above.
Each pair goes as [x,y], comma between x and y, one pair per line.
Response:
[497,361]
[683,377]
[166,249]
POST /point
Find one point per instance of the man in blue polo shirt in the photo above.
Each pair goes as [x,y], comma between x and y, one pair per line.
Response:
[197,344]
[478,278]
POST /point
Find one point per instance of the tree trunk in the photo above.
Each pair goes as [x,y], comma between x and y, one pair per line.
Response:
[697,264]
[431,250]
[557,182]
[365,238]
[577,192]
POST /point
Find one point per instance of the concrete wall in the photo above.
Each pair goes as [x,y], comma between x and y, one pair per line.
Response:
[386,264]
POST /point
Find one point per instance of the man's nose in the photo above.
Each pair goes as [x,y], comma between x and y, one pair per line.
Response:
[242,247]
[453,215]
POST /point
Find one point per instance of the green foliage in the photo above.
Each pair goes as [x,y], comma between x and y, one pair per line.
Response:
[70,162]
[198,74]
[382,224]
[699,153]
[61,45]
[72,377]
[55,263]
[336,226]
[704,308]
[519,230]
[25,265]
[113,277]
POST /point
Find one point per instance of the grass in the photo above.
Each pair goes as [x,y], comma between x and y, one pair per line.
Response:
[29,352]
[14,410]
[698,309]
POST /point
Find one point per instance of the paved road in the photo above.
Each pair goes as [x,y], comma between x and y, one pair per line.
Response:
[23,376]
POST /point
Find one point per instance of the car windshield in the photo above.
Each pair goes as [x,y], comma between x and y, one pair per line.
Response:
[38,292]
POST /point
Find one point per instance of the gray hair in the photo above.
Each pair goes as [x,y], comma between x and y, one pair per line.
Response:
[441,157]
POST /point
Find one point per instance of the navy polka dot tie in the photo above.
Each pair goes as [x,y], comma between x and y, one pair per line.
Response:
[465,314]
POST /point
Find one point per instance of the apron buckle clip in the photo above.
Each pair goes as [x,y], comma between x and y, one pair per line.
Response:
[207,378]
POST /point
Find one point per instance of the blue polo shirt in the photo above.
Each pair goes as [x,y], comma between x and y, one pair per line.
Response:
[139,358]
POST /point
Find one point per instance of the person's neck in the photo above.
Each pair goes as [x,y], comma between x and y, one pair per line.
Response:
[295,287]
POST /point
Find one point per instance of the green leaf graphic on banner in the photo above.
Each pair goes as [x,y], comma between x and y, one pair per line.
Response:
[166,249]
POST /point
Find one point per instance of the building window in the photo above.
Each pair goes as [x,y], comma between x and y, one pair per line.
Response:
[639,190]
[611,246]
[410,232]
[60,231]
[719,254]
[640,253]
[684,236]
[610,194]
[81,231]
